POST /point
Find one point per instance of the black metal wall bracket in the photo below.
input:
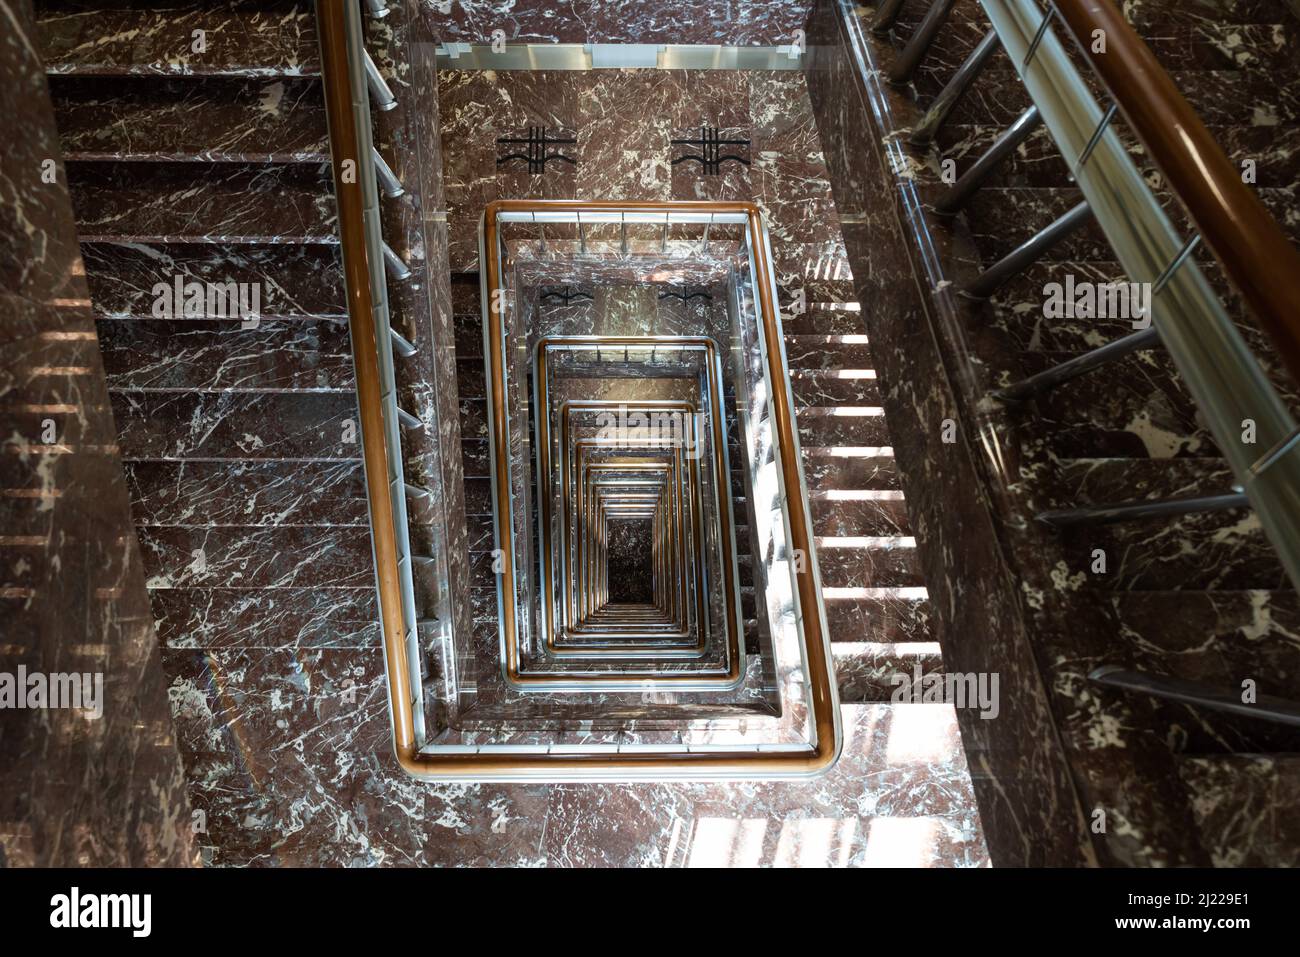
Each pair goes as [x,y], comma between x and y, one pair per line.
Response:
[710,145]
[565,295]
[685,297]
[536,155]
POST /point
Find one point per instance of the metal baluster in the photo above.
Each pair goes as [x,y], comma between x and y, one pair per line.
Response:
[1073,368]
[1266,707]
[1040,35]
[1097,134]
[1004,146]
[961,81]
[902,69]
[378,9]
[1273,455]
[1163,280]
[403,345]
[1112,350]
[379,91]
[886,14]
[399,270]
[1030,252]
[1134,511]
[388,181]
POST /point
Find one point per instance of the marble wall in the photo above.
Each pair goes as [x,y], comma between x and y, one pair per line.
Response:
[75,790]
[624,122]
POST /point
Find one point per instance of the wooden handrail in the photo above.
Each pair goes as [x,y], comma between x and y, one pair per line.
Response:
[1256,254]
[331,23]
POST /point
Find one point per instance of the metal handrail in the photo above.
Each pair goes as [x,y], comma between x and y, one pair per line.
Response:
[1255,253]
[343,68]
[1216,364]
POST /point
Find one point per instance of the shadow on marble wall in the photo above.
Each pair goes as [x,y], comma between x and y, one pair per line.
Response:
[76,788]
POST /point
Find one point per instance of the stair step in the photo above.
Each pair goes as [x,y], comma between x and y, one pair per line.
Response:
[1020,306]
[243,38]
[870,671]
[1201,550]
[824,319]
[22,564]
[293,281]
[1156,15]
[834,387]
[272,618]
[828,468]
[1036,163]
[471,378]
[474,456]
[868,513]
[1239,98]
[828,352]
[1245,806]
[1135,407]
[845,426]
[479,533]
[207,356]
[1217,637]
[168,426]
[1107,481]
[469,336]
[1018,317]
[202,203]
[243,493]
[258,557]
[466,293]
[890,615]
[217,120]
[473,419]
[869,562]
[478,495]
[816,290]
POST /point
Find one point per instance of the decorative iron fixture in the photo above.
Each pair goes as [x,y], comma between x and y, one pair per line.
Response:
[685,296]
[536,156]
[565,295]
[711,156]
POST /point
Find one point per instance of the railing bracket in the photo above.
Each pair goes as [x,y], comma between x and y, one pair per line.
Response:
[398,269]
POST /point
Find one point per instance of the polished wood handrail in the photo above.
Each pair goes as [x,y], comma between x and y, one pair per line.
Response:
[331,23]
[1256,254]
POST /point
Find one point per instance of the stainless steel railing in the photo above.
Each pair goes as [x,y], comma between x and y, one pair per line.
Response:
[1249,420]
[1223,376]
